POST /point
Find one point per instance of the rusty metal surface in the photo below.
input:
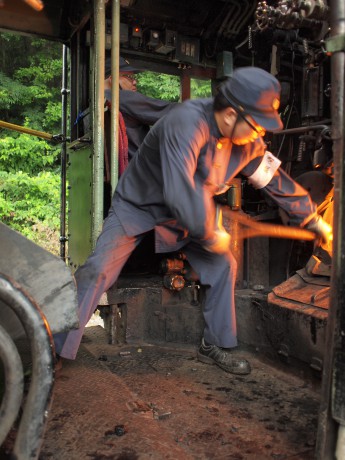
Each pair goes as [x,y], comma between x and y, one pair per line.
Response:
[145,402]
[304,290]
[276,327]
[156,313]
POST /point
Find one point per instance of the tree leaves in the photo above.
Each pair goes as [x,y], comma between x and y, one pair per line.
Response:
[13,93]
[167,87]
[29,166]
[159,86]
[28,154]
[28,203]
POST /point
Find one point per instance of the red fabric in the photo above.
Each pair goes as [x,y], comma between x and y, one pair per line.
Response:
[123,143]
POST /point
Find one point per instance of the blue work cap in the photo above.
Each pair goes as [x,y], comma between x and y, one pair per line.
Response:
[255,92]
[124,67]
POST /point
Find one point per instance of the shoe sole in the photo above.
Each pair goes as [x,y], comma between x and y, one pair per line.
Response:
[207,360]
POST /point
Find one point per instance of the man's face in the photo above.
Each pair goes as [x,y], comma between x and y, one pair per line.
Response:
[246,130]
[240,128]
[128,81]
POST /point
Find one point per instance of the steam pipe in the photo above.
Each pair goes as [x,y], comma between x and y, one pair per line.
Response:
[64,96]
[303,129]
[115,90]
[98,119]
[33,420]
[332,408]
[14,383]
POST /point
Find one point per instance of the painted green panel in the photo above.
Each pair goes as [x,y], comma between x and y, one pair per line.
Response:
[79,203]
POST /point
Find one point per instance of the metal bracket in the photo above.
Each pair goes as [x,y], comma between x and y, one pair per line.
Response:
[335,44]
[59,138]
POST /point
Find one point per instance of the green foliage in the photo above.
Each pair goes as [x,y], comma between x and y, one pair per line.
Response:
[52,116]
[30,81]
[12,93]
[159,86]
[30,205]
[167,87]
[27,153]
[200,88]
[40,73]
[30,76]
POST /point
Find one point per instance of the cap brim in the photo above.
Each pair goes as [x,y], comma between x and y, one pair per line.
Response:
[128,68]
[271,122]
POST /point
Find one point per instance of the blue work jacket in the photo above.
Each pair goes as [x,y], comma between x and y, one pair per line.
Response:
[183,162]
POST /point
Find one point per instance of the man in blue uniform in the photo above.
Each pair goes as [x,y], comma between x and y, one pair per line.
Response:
[139,111]
[188,156]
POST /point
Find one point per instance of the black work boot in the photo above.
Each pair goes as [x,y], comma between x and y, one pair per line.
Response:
[211,354]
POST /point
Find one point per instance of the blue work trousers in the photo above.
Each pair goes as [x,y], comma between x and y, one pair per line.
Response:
[102,269]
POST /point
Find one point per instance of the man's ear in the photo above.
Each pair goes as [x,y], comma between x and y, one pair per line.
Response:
[230,116]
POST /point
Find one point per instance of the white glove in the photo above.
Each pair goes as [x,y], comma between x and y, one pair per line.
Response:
[321,228]
[220,244]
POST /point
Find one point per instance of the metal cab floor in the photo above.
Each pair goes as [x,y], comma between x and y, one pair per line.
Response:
[144,401]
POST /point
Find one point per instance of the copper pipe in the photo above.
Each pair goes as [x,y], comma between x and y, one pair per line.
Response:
[23,129]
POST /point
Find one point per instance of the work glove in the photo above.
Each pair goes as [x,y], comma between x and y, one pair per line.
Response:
[220,243]
[321,228]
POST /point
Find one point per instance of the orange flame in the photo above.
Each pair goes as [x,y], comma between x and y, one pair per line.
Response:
[37,5]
